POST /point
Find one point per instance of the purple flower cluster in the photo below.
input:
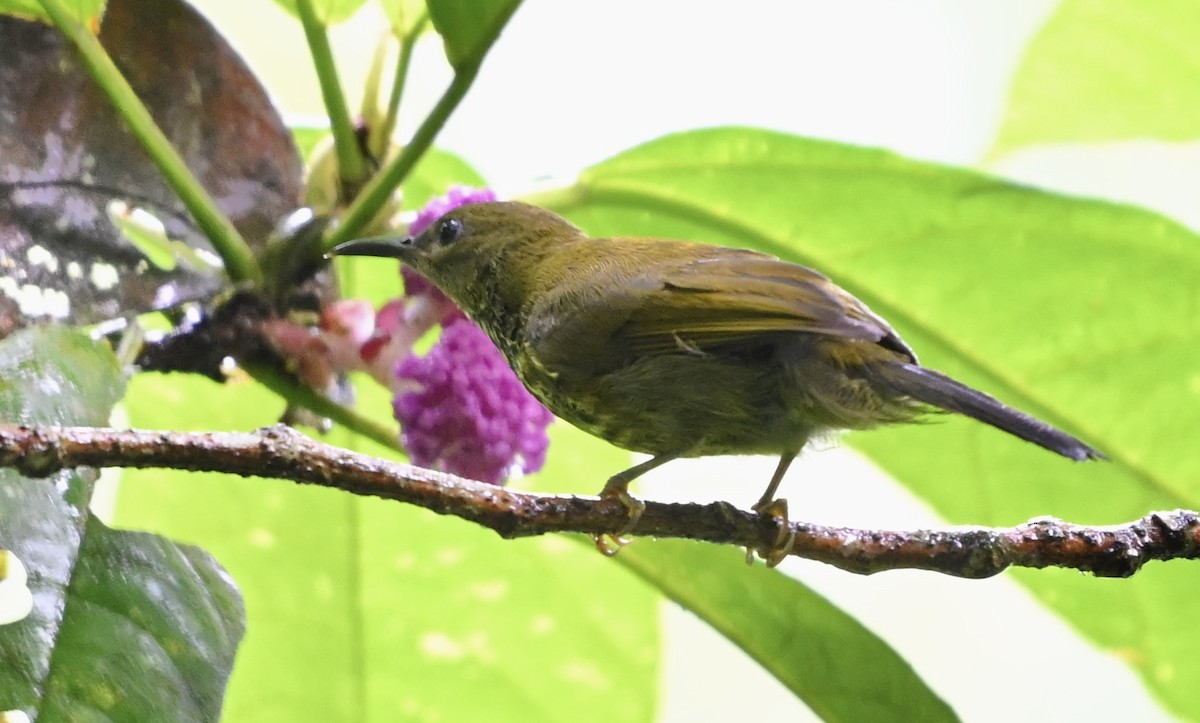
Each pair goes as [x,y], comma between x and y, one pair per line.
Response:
[461,408]
[438,207]
[470,414]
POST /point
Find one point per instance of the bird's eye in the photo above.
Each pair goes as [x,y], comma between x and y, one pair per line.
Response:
[449,231]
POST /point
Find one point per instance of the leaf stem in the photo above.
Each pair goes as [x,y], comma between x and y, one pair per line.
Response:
[293,391]
[352,167]
[398,82]
[239,260]
[376,193]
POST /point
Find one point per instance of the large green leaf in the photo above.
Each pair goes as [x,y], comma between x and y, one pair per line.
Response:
[1070,309]
[1103,70]
[124,625]
[287,547]
[827,658]
[469,27]
[366,609]
[397,606]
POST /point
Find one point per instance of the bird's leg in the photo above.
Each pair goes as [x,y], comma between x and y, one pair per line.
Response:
[778,510]
[618,487]
[768,497]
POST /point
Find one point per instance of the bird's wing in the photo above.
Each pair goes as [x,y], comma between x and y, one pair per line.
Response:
[699,299]
[728,297]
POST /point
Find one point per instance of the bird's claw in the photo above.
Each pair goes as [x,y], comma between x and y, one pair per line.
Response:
[785,536]
[609,544]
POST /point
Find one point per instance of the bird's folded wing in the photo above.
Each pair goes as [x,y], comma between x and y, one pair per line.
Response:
[696,299]
[724,299]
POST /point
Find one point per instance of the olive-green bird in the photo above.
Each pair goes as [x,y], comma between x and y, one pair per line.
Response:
[681,349]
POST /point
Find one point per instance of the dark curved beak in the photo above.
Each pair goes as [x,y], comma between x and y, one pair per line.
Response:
[387,247]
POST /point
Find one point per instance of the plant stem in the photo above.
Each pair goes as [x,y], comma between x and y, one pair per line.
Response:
[369,112]
[295,392]
[352,167]
[375,194]
[239,260]
[398,82]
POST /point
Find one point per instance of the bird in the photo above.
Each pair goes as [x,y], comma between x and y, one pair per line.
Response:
[677,348]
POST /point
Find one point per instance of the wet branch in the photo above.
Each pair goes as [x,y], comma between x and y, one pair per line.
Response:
[280,452]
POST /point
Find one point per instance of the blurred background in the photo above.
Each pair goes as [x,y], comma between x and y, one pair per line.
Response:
[570,83]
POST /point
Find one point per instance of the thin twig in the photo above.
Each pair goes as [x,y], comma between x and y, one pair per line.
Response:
[407,43]
[352,167]
[280,452]
[378,190]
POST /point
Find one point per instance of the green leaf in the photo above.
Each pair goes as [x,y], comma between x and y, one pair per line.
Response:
[841,670]
[287,547]
[124,625]
[1101,71]
[89,10]
[136,596]
[403,15]
[308,138]
[329,12]
[52,375]
[367,609]
[433,176]
[469,27]
[1055,304]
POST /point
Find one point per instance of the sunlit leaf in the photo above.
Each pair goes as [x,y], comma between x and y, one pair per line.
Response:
[1057,305]
[398,606]
[329,12]
[841,670]
[469,27]
[1111,70]
[307,139]
[404,14]
[124,625]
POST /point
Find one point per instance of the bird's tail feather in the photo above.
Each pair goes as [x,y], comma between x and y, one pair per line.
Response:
[941,391]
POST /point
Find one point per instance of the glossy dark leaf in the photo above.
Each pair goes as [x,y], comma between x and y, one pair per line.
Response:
[67,163]
[124,625]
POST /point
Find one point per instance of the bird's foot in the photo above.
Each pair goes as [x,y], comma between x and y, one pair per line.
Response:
[610,544]
[785,536]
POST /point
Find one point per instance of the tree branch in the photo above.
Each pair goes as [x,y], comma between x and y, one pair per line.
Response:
[280,452]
